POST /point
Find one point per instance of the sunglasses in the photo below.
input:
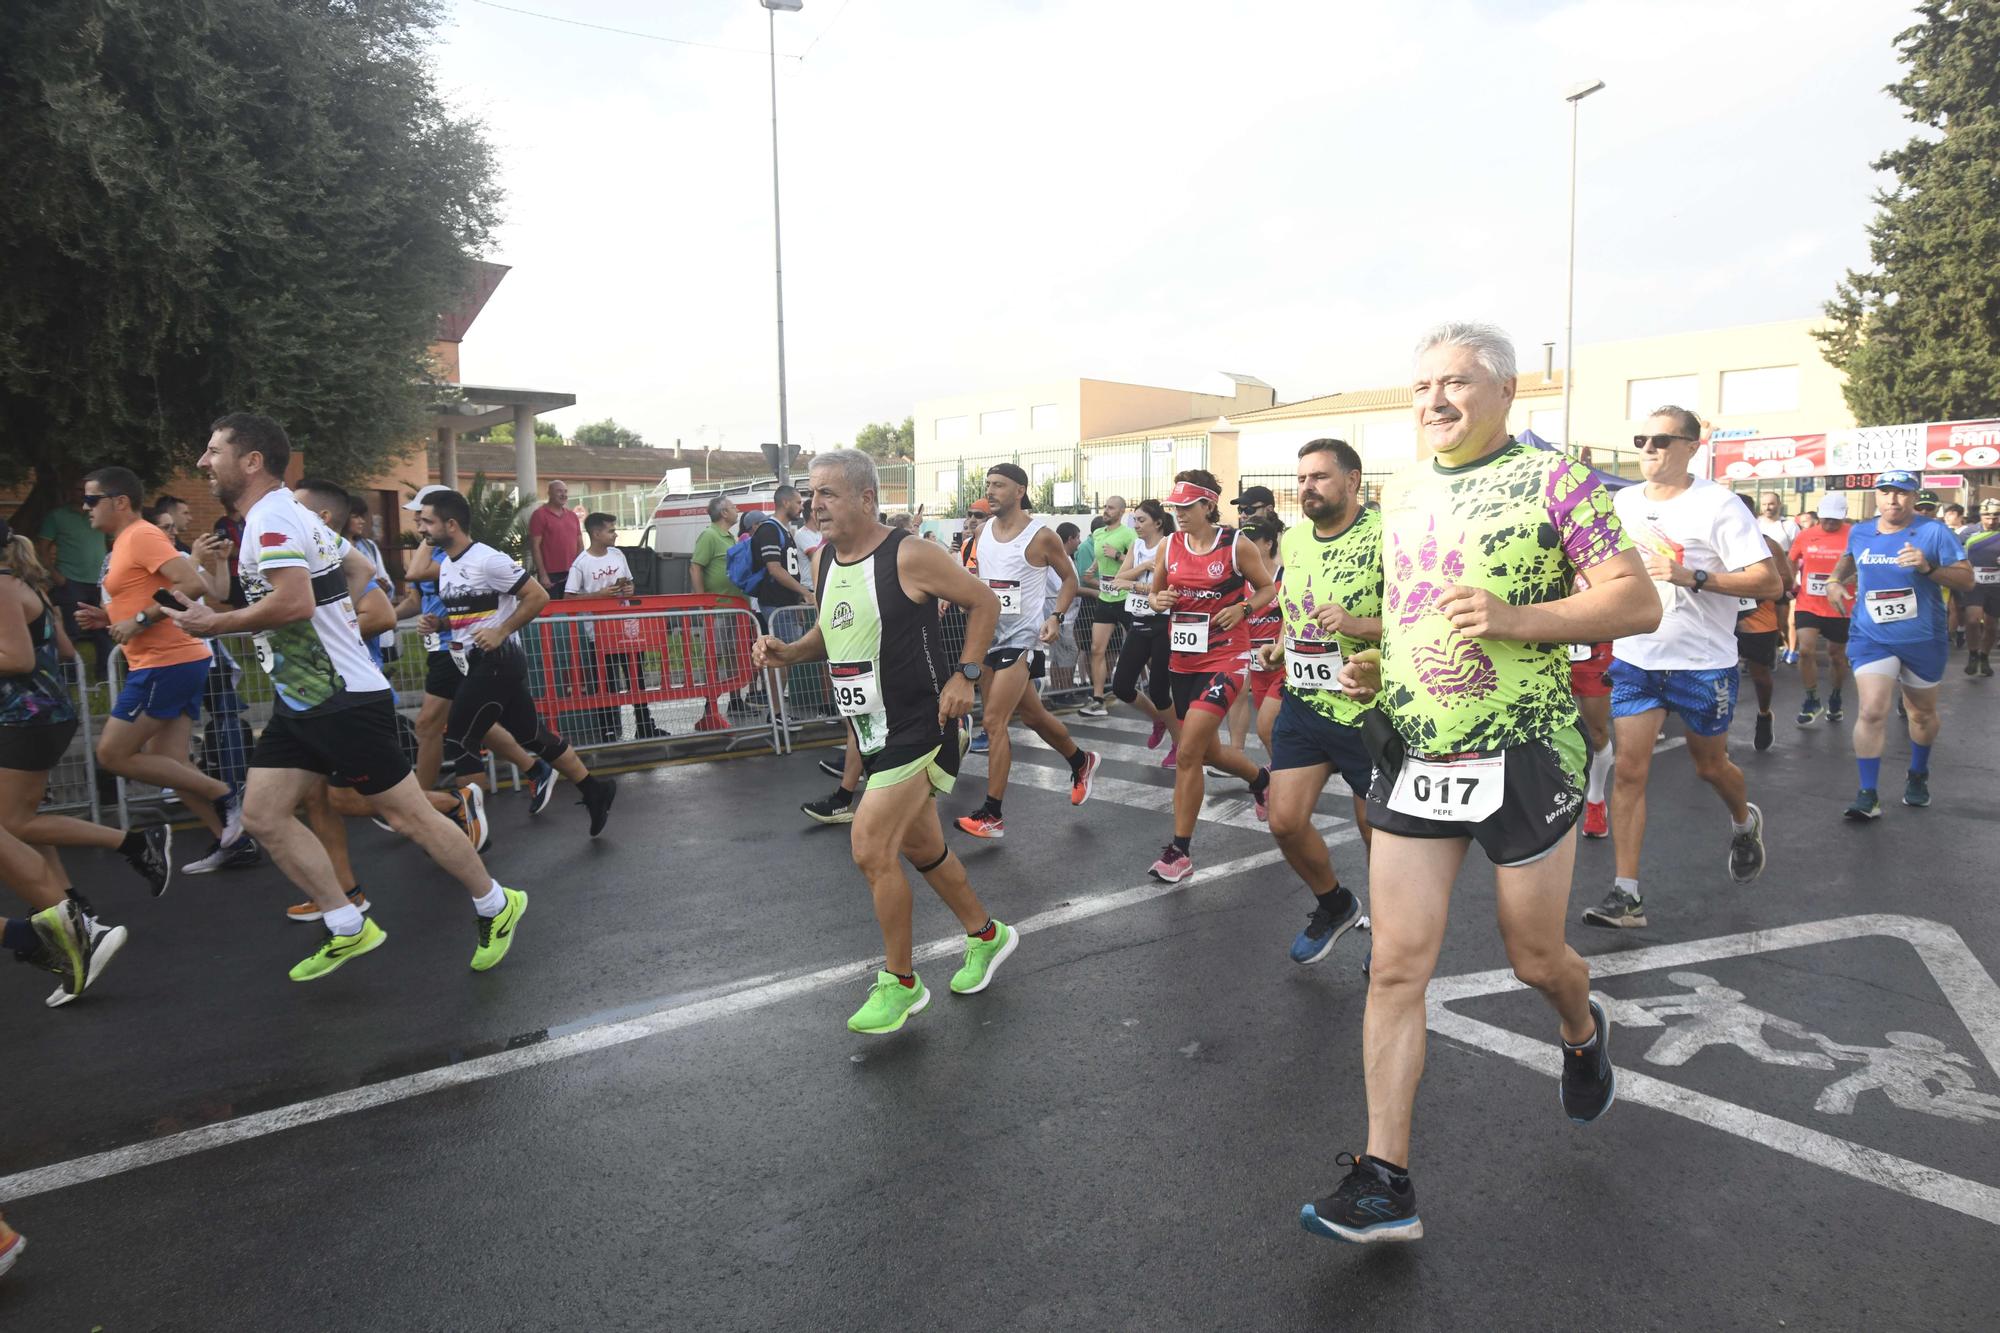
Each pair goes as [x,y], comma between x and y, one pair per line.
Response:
[1659,441]
[90,501]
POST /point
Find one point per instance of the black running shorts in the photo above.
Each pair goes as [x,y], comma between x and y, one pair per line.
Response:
[1541,799]
[358,745]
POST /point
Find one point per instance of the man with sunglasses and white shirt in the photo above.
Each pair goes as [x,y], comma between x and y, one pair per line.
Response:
[1704,553]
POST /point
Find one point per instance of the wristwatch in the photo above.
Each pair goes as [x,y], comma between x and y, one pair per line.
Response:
[1700,579]
[970,670]
[141,620]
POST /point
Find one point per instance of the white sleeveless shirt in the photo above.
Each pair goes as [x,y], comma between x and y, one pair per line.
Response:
[1004,567]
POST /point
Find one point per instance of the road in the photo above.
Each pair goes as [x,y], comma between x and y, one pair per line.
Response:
[652,1116]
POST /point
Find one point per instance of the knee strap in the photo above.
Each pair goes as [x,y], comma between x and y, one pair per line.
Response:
[943,856]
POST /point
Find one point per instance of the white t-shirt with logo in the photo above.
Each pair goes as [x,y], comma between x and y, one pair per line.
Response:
[591,574]
[1704,527]
[478,587]
[317,665]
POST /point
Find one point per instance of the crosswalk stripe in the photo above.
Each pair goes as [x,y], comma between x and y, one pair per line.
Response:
[1138,795]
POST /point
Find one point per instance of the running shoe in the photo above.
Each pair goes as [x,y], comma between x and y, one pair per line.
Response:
[890,1002]
[242,856]
[834,768]
[1173,866]
[597,799]
[1173,759]
[1366,1207]
[1746,849]
[1328,922]
[1972,664]
[155,860]
[1763,741]
[979,744]
[496,933]
[12,1245]
[1260,797]
[1159,733]
[1867,805]
[541,786]
[61,939]
[982,824]
[335,950]
[471,816]
[310,911]
[830,810]
[1985,666]
[1080,779]
[101,944]
[1619,909]
[1808,711]
[1589,1083]
[230,807]
[1833,708]
[1917,789]
[1095,708]
[1791,657]
[1596,820]
[381,823]
[983,959]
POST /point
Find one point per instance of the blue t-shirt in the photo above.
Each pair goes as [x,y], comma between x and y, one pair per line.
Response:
[429,603]
[1893,604]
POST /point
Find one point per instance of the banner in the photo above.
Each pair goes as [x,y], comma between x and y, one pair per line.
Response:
[1865,450]
[1770,456]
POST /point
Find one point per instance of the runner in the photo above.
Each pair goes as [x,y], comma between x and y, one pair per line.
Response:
[1759,631]
[488,597]
[1982,603]
[1477,738]
[1206,582]
[1703,552]
[1265,532]
[1899,561]
[334,713]
[1015,551]
[1814,555]
[1771,521]
[1331,605]
[1590,684]
[1112,543]
[1145,650]
[879,590]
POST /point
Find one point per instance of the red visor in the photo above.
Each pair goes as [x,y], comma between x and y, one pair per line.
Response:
[1186,493]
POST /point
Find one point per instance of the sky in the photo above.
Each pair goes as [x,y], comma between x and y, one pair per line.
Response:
[983,193]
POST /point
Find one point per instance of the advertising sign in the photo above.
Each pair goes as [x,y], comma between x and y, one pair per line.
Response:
[1948,446]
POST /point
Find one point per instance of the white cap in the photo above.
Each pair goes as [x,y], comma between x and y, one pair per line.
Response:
[417,501]
[1834,506]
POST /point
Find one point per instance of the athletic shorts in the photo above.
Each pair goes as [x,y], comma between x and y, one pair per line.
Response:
[1759,647]
[1705,699]
[165,691]
[1920,666]
[1303,737]
[1111,613]
[1832,628]
[1540,802]
[1264,685]
[1985,596]
[1587,679]
[358,744]
[1002,658]
[937,763]
[35,749]
[1214,691]
[441,675]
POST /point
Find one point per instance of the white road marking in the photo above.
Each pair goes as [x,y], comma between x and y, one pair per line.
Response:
[1670,743]
[601,1036]
[1966,984]
[1237,813]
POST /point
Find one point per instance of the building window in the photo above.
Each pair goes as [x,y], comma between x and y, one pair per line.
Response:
[1041,472]
[1642,396]
[1547,424]
[997,423]
[951,428]
[1045,416]
[1769,389]
[945,480]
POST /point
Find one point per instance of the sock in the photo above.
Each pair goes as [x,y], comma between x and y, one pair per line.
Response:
[1077,760]
[19,935]
[1600,771]
[1334,900]
[992,807]
[589,784]
[1260,782]
[1871,772]
[344,920]
[1181,844]
[985,932]
[1920,758]
[841,796]
[490,903]
[909,979]
[1399,1176]
[133,846]
[1630,886]
[1589,1045]
[1744,827]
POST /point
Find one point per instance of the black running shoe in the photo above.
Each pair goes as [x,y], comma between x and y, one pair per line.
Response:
[1366,1207]
[598,801]
[1746,849]
[1763,741]
[837,808]
[155,861]
[1589,1083]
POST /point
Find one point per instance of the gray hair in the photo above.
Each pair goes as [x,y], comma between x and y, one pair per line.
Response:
[855,468]
[716,505]
[1492,346]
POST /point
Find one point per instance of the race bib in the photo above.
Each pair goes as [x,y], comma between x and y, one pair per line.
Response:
[1009,594]
[1886,606]
[1450,790]
[1816,585]
[460,660]
[854,690]
[1312,666]
[1189,632]
[1580,652]
[1986,575]
[433,643]
[266,658]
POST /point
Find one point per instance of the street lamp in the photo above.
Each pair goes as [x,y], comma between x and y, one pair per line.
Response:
[783,463]
[1573,97]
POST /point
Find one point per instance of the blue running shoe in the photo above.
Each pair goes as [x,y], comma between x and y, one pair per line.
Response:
[1589,1083]
[541,786]
[978,745]
[1917,791]
[1328,922]
[1833,708]
[1366,1207]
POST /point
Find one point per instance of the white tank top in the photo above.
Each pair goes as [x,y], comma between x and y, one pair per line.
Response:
[1004,567]
[1140,604]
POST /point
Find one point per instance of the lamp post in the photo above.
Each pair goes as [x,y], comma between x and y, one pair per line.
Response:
[783,467]
[1569,299]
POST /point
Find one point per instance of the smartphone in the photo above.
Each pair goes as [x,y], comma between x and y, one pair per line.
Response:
[167,599]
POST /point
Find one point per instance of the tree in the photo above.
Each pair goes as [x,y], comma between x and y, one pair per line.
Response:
[1919,333]
[496,517]
[546,432]
[607,434]
[885,439]
[233,204]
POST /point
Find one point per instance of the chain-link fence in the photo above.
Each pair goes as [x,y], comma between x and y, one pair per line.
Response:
[1284,487]
[1072,480]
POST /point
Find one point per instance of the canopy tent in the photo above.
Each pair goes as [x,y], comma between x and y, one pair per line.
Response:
[1611,479]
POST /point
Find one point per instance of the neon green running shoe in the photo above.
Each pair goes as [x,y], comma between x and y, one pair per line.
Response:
[337,949]
[983,959]
[496,933]
[889,1003]
[61,932]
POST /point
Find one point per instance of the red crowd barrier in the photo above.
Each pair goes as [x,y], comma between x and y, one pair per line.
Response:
[703,665]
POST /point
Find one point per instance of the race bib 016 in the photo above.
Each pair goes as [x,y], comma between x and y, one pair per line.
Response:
[1312,666]
[1449,790]
[1188,632]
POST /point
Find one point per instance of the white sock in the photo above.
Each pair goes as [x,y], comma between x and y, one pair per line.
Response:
[1600,772]
[492,902]
[1630,886]
[1745,826]
[344,920]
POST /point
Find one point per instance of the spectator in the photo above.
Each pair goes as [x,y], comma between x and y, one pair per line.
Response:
[809,541]
[708,567]
[601,571]
[359,532]
[1063,652]
[555,536]
[170,515]
[775,549]
[229,530]
[73,552]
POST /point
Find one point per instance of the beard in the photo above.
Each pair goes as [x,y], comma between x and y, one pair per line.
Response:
[1320,509]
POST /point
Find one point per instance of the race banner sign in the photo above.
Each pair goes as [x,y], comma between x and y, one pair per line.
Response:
[1949,446]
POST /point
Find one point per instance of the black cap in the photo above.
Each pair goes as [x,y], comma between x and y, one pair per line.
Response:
[1256,495]
[1928,498]
[1011,471]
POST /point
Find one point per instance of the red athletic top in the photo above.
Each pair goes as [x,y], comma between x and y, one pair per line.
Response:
[1814,554]
[1203,584]
[1265,628]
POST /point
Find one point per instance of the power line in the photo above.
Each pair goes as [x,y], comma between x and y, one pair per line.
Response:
[628,32]
[827,29]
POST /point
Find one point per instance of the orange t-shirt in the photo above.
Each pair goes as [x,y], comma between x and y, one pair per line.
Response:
[1814,555]
[131,576]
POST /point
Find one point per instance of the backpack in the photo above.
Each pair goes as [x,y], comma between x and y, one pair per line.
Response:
[744,571]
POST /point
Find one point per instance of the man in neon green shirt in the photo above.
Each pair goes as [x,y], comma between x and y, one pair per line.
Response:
[1111,543]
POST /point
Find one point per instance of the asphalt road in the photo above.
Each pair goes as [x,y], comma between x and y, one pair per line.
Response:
[652,1116]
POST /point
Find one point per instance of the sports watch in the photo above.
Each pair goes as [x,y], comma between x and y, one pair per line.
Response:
[970,670]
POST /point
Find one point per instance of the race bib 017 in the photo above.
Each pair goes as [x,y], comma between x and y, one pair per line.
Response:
[1449,790]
